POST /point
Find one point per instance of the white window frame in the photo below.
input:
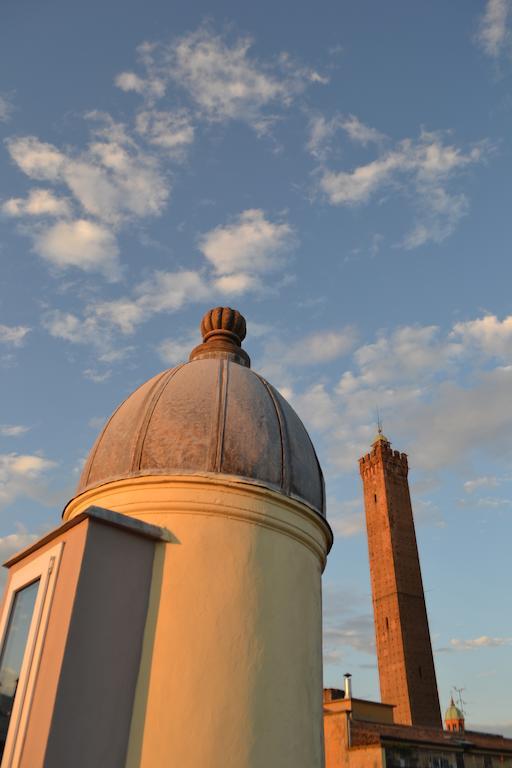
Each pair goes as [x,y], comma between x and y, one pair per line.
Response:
[45,568]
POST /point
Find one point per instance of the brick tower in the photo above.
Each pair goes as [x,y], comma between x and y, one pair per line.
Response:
[404,652]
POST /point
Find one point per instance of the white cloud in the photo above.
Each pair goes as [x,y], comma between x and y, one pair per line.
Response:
[172,132]
[235,285]
[251,245]
[129,81]
[322,132]
[317,348]
[40,202]
[361,133]
[486,481]
[21,475]
[490,336]
[222,79]
[426,160]
[405,354]
[81,243]
[64,325]
[124,314]
[313,349]
[421,168]
[13,334]
[493,32]
[462,420]
[162,292]
[442,396]
[97,376]
[35,158]
[13,430]
[112,183]
[14,542]
[237,255]
[479,642]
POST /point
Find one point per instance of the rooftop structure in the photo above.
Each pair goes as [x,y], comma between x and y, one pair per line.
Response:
[187,571]
[211,416]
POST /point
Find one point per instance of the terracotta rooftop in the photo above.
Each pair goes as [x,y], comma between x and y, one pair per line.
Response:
[364,734]
[213,416]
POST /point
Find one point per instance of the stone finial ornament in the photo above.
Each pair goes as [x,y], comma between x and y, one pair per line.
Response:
[223,321]
[223,329]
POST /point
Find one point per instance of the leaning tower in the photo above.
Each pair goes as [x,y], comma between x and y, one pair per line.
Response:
[404,652]
[231,667]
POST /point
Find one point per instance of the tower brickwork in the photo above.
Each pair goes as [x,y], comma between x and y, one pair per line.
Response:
[406,665]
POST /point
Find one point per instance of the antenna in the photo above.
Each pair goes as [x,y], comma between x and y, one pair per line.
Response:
[460,700]
[379,422]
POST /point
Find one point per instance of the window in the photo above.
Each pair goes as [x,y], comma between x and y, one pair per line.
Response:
[375,497]
[23,625]
[13,651]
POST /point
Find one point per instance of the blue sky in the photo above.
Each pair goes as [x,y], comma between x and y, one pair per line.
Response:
[340,172]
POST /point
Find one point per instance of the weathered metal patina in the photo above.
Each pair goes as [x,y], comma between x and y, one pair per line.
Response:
[212,415]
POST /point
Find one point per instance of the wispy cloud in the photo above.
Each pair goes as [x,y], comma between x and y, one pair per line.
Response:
[23,475]
[40,202]
[220,77]
[479,642]
[13,335]
[444,391]
[322,131]
[486,481]
[162,292]
[361,133]
[6,108]
[13,430]
[420,169]
[493,33]
[14,542]
[172,132]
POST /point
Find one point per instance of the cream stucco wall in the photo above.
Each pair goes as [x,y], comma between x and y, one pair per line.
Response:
[231,675]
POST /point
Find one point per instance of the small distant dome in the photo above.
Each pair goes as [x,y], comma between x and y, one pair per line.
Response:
[380,437]
[453,712]
[212,415]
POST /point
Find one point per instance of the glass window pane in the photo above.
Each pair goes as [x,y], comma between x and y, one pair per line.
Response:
[13,651]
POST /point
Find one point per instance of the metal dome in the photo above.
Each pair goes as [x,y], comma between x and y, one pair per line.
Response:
[453,712]
[212,415]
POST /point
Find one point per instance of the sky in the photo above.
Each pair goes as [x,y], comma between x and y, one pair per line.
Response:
[340,173]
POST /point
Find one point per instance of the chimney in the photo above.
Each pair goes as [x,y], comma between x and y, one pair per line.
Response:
[348,686]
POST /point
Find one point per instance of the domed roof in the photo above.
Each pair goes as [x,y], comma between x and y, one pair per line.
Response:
[212,415]
[453,712]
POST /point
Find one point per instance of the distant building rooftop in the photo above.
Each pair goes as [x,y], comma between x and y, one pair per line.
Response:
[365,733]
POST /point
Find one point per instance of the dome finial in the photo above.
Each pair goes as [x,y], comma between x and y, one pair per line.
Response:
[223,329]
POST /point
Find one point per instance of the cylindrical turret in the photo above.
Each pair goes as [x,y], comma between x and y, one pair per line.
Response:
[231,668]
